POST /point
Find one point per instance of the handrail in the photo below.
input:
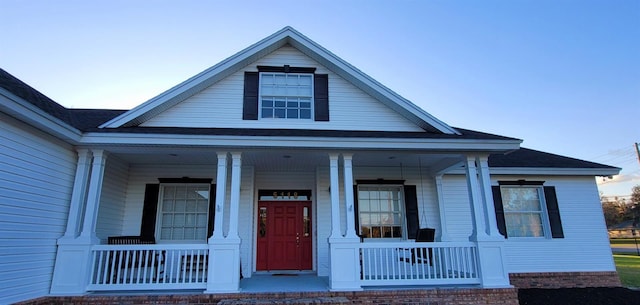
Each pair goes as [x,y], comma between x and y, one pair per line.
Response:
[149,266]
[413,263]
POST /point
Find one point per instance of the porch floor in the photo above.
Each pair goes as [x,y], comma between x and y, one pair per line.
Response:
[284,283]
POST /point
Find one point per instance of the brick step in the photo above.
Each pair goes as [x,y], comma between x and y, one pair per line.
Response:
[288,301]
[440,296]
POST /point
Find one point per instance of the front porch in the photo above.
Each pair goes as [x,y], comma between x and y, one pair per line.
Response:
[229,194]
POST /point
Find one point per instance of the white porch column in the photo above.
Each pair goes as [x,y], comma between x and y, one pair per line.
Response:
[78,196]
[444,234]
[221,193]
[493,272]
[344,251]
[73,259]
[335,196]
[348,194]
[236,167]
[224,252]
[489,211]
[475,200]
[88,233]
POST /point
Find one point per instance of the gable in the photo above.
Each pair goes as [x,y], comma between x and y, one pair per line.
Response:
[221,104]
[287,35]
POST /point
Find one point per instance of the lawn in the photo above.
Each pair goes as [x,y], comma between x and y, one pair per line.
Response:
[624,241]
[628,269]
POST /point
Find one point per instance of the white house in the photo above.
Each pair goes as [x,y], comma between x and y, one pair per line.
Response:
[283,158]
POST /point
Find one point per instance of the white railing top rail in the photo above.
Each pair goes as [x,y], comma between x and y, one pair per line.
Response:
[151,247]
[413,244]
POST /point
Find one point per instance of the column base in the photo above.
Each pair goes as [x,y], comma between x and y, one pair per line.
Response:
[345,264]
[493,272]
[71,272]
[224,266]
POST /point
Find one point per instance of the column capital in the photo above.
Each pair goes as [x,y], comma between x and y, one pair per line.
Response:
[334,156]
[347,156]
[222,155]
[99,154]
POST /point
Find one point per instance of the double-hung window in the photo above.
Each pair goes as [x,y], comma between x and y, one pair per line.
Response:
[380,211]
[183,212]
[524,211]
[286,95]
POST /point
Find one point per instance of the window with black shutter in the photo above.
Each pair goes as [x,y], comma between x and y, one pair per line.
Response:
[527,209]
[178,210]
[385,210]
[286,93]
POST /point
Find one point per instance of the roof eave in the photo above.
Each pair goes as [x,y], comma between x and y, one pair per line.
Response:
[553,171]
[459,145]
[26,112]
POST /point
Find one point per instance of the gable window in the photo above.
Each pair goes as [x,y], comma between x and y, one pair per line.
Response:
[285,92]
[380,211]
[286,95]
[527,209]
[183,212]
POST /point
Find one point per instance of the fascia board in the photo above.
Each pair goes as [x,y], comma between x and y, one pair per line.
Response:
[301,142]
[34,116]
[198,82]
[546,171]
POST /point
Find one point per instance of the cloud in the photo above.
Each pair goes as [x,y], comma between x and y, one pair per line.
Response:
[619,179]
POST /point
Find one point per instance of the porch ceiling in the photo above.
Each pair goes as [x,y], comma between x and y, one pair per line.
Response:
[287,160]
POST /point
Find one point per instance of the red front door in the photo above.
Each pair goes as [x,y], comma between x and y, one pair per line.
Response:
[284,235]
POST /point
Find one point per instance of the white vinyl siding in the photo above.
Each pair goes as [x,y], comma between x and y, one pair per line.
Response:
[112,200]
[585,246]
[220,105]
[36,180]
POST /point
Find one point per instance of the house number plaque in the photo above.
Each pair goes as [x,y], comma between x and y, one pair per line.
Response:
[285,195]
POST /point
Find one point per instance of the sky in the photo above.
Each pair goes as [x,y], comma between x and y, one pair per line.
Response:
[562,75]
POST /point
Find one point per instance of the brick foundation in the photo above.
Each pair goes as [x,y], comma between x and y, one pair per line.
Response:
[476,296]
[565,279]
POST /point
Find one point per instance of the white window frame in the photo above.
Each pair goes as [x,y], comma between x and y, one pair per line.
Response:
[401,204]
[159,220]
[262,95]
[544,216]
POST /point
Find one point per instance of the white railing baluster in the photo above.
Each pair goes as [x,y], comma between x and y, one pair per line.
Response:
[410,263]
[148,267]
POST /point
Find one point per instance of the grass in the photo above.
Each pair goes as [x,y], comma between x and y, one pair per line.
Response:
[628,267]
[624,241]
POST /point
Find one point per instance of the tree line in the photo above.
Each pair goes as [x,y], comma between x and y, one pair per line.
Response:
[618,210]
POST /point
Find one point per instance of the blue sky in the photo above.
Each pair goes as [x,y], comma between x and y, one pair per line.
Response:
[562,75]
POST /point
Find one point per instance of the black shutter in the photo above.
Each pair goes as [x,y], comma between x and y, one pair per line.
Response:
[497,205]
[356,214]
[321,97]
[212,210]
[250,101]
[149,211]
[553,211]
[411,210]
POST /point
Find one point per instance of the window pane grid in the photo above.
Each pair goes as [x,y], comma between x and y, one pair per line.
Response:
[287,96]
[379,212]
[523,211]
[184,212]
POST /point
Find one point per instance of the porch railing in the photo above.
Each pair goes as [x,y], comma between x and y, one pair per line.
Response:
[411,263]
[158,266]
